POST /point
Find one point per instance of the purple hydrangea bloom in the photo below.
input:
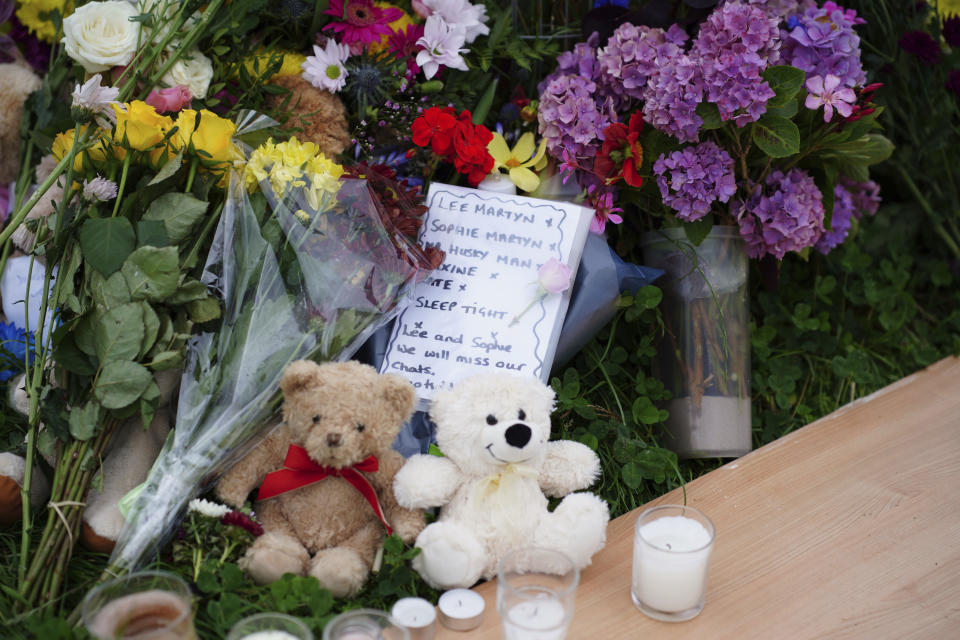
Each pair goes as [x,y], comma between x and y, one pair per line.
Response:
[570,117]
[866,196]
[781,9]
[785,215]
[844,210]
[922,45]
[633,54]
[822,41]
[582,61]
[953,82]
[951,31]
[735,44]
[671,97]
[692,179]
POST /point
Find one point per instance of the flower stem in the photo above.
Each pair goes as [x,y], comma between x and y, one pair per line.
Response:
[17,218]
[123,184]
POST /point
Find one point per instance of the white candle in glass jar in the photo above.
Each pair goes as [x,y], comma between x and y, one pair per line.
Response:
[271,634]
[670,561]
[540,619]
[499,183]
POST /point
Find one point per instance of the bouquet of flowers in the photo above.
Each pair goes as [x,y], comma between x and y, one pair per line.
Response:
[762,120]
[306,266]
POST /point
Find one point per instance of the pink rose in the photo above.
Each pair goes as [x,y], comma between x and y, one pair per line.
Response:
[554,276]
[169,100]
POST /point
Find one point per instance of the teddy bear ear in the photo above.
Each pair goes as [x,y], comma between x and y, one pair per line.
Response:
[399,394]
[299,375]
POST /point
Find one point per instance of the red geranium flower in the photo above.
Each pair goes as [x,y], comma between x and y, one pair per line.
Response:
[621,154]
[435,128]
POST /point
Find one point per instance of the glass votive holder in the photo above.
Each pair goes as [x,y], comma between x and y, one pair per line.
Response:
[536,594]
[146,605]
[364,624]
[671,558]
[270,626]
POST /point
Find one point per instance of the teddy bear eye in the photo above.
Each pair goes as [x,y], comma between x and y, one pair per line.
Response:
[521,415]
[360,427]
[491,419]
[316,419]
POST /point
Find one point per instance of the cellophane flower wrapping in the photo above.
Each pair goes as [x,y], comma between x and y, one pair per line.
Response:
[308,267]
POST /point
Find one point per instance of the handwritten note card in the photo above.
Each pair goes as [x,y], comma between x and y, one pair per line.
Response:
[462,319]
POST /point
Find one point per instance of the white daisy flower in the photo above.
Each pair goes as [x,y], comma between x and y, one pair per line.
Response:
[325,69]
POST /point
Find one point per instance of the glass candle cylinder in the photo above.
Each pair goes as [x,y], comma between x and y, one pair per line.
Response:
[270,626]
[536,594]
[364,624]
[153,605]
[671,557]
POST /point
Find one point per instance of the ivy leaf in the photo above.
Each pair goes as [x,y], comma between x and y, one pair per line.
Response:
[106,243]
[179,212]
[786,82]
[120,383]
[152,273]
[776,136]
[118,333]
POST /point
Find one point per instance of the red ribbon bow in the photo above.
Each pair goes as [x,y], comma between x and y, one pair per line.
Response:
[299,471]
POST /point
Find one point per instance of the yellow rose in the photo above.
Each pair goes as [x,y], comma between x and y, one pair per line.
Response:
[212,136]
[140,125]
[62,145]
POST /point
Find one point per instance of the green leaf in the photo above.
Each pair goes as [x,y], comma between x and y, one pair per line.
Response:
[152,273]
[151,233]
[68,355]
[165,360]
[867,150]
[85,332]
[85,420]
[486,101]
[787,110]
[776,136]
[109,292]
[188,292]
[151,328]
[118,334]
[173,164]
[645,412]
[710,115]
[632,475]
[120,383]
[106,243]
[698,230]
[179,212]
[786,82]
[204,310]
[149,402]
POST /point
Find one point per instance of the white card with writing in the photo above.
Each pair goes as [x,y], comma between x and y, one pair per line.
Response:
[462,319]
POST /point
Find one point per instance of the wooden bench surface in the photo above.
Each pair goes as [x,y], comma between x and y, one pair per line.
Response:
[846,528]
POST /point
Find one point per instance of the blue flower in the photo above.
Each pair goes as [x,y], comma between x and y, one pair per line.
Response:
[611,3]
[13,350]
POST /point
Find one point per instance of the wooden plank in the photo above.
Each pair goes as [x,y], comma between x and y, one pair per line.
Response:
[847,528]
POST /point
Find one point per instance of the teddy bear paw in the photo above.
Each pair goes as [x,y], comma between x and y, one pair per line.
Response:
[450,556]
[340,570]
[578,526]
[272,555]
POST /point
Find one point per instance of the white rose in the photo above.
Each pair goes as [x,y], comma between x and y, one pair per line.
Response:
[100,35]
[192,69]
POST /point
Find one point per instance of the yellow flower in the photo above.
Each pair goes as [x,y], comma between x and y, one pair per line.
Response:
[257,63]
[294,165]
[94,156]
[140,126]
[519,160]
[947,8]
[397,25]
[211,138]
[35,15]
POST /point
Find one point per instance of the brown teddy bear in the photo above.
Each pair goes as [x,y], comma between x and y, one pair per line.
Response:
[320,113]
[327,475]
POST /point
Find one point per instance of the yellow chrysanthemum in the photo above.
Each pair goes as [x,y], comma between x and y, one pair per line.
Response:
[294,165]
[947,8]
[256,64]
[399,24]
[35,16]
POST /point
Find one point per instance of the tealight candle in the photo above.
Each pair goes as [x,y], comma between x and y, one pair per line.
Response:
[671,557]
[417,615]
[498,183]
[461,609]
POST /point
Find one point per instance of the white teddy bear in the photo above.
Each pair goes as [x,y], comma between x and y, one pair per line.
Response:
[497,471]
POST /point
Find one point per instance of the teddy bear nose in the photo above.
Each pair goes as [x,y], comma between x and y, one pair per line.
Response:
[333,439]
[518,435]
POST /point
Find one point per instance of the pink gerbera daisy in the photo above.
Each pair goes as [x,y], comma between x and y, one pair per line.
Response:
[360,21]
[403,44]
